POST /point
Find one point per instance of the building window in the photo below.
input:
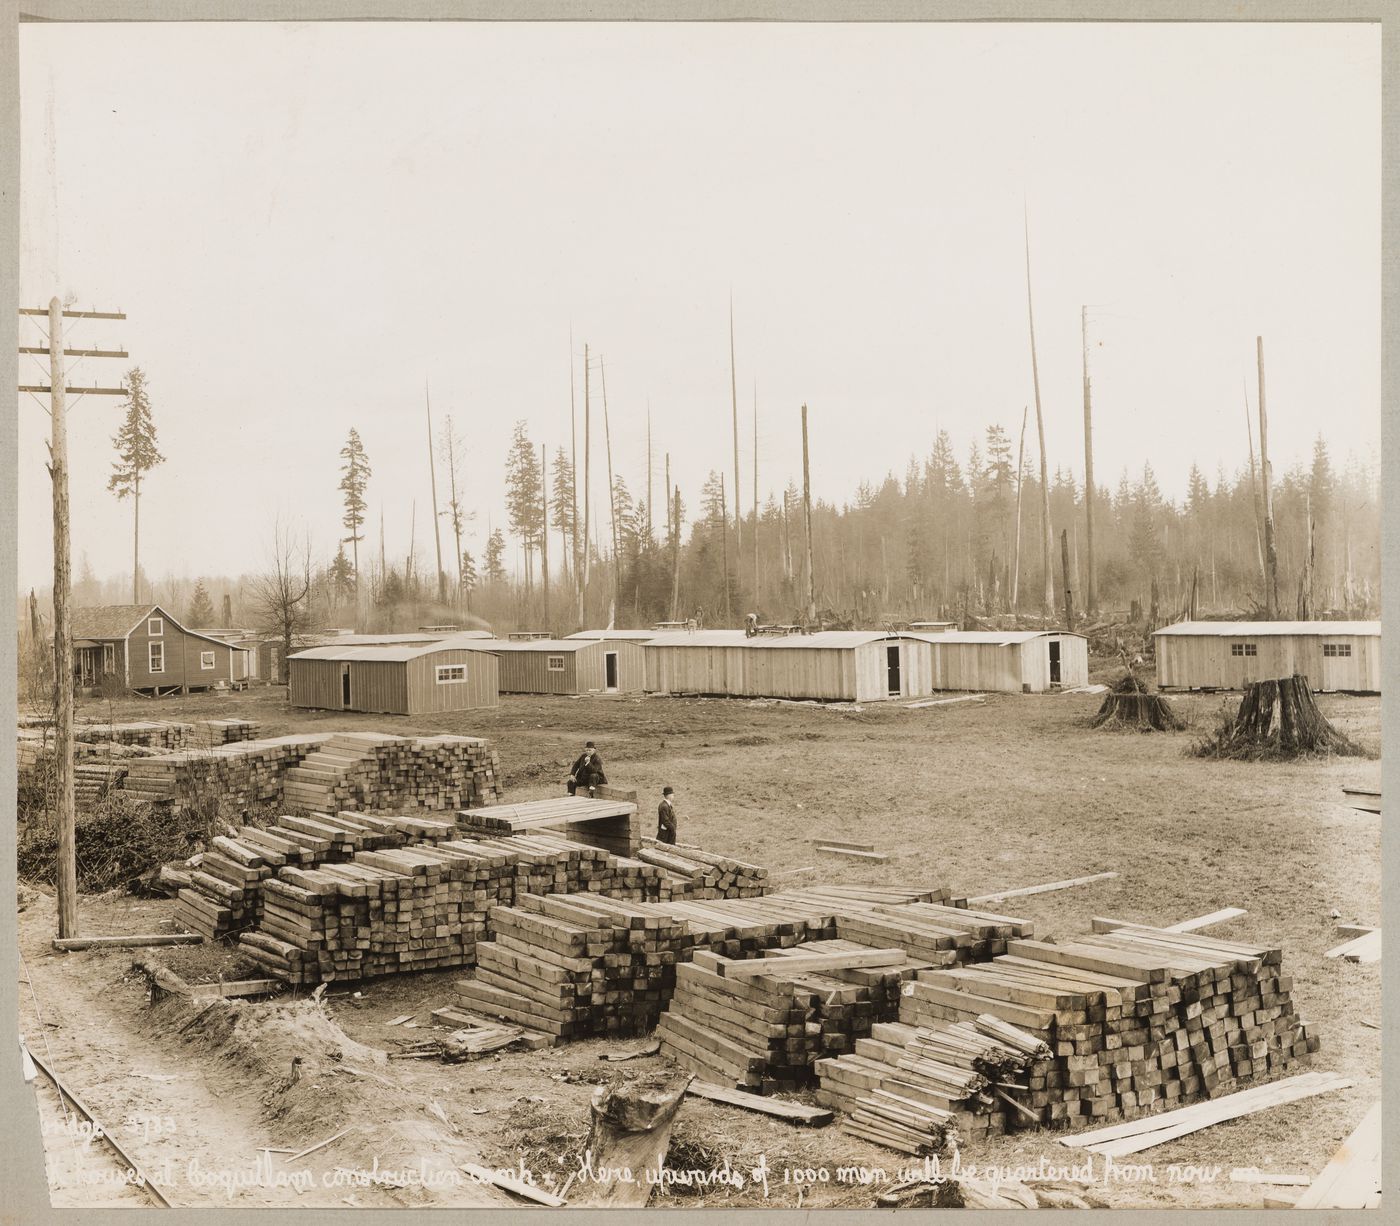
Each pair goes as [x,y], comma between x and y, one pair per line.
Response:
[448,674]
[206,659]
[155,659]
[1337,649]
[1244,649]
[555,664]
[155,627]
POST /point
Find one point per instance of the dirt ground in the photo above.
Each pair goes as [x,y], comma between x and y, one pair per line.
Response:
[979,795]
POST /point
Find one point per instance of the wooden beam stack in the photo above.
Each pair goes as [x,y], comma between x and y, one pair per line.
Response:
[374,770]
[693,872]
[1137,1018]
[916,1089]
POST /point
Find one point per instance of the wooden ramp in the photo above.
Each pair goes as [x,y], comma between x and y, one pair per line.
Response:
[1352,1180]
[609,823]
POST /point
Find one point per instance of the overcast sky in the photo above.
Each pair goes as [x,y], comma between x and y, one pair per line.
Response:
[305,223]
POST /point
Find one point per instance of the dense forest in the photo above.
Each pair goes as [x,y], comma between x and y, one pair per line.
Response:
[955,537]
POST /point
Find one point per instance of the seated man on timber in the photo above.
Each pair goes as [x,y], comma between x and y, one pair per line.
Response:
[666,817]
[587,771]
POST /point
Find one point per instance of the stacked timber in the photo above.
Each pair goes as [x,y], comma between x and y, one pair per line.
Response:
[693,872]
[93,782]
[548,863]
[151,734]
[233,778]
[372,770]
[225,894]
[1138,1019]
[938,933]
[920,1089]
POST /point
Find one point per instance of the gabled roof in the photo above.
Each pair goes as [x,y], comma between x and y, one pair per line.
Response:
[390,653]
[110,621]
[115,621]
[998,638]
[635,636]
[823,639]
[1259,629]
[552,646]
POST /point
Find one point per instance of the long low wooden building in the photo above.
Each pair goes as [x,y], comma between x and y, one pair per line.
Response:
[1204,655]
[396,679]
[568,666]
[1009,661]
[829,666]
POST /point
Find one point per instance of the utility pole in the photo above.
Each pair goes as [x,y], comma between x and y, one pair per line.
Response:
[432,473]
[66,817]
[734,403]
[807,517]
[675,551]
[544,529]
[1270,547]
[1091,579]
[1048,600]
[587,451]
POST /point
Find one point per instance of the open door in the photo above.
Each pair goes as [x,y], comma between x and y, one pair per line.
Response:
[1054,661]
[345,686]
[610,670]
[892,668]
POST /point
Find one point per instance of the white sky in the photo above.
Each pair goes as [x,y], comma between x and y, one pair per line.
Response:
[305,222]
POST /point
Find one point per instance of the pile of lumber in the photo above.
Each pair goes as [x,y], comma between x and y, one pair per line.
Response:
[223,892]
[371,770]
[152,734]
[762,1023]
[916,1088]
[232,778]
[937,933]
[577,965]
[693,872]
[1137,1018]
[548,863]
[382,913]
[211,732]
[93,782]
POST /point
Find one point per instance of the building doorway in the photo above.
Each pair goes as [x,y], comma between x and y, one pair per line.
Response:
[892,669]
[1054,661]
[345,686]
[610,670]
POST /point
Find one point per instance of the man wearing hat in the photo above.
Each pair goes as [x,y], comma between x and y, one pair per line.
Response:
[666,817]
[587,771]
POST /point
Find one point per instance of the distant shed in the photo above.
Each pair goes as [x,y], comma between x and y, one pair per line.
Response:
[1010,661]
[568,666]
[1342,656]
[403,679]
[829,666]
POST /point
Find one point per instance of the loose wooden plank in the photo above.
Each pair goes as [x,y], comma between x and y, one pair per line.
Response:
[526,1191]
[1048,887]
[1360,949]
[799,964]
[1206,921]
[127,942]
[798,1113]
[240,987]
[1352,1179]
[878,857]
[311,1149]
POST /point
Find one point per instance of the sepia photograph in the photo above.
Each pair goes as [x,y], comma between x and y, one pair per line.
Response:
[803,599]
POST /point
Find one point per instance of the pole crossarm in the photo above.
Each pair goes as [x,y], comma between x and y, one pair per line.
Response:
[78,353]
[76,391]
[75,314]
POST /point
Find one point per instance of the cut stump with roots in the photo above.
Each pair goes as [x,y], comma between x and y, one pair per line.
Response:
[1277,720]
[1130,705]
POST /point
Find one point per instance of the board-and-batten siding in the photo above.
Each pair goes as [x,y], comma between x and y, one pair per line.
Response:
[1204,661]
[397,687]
[526,670]
[1009,667]
[182,658]
[480,689]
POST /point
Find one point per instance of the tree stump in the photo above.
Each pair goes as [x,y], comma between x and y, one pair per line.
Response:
[1277,720]
[629,1135]
[1129,704]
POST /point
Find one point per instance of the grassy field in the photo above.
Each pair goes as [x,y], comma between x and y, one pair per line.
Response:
[981,796]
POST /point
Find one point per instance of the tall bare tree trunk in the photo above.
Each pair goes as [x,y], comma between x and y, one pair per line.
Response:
[136,537]
[734,404]
[587,453]
[1048,596]
[1091,579]
[1020,475]
[544,530]
[807,518]
[1270,547]
[612,492]
[437,527]
[1255,499]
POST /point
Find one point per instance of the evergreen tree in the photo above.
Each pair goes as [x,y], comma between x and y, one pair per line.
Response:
[495,557]
[354,479]
[524,493]
[201,612]
[137,453]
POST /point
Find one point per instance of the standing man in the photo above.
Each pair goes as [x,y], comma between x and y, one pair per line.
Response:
[587,771]
[666,817]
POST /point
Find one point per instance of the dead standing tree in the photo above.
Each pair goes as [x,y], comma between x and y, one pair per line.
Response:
[281,594]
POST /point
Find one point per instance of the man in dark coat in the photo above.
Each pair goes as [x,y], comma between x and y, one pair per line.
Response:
[666,817]
[587,771]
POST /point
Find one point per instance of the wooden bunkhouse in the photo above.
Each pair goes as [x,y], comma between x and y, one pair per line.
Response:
[395,679]
[146,649]
[1333,656]
[569,666]
[1009,661]
[828,666]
